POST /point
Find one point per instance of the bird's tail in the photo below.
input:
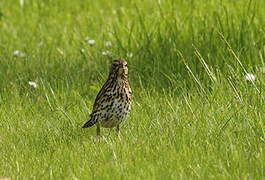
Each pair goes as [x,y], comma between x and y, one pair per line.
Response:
[89,123]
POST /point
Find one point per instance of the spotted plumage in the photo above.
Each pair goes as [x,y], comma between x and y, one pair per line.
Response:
[113,102]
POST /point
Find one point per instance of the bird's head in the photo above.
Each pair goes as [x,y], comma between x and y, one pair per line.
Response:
[119,68]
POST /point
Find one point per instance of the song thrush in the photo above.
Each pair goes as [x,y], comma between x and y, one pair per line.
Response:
[113,102]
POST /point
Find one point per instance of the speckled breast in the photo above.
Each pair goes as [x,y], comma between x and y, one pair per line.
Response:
[116,114]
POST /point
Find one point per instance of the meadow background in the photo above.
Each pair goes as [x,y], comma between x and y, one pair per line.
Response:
[195,116]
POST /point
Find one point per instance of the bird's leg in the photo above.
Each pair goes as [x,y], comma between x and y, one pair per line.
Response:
[118,129]
[98,129]
[109,131]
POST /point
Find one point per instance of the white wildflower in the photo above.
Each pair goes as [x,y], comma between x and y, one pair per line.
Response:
[17,53]
[106,53]
[33,84]
[250,77]
[107,44]
[91,41]
[21,2]
[129,54]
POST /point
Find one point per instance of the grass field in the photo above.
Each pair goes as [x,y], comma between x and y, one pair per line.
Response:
[195,116]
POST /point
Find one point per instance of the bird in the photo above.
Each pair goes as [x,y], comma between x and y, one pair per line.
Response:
[112,105]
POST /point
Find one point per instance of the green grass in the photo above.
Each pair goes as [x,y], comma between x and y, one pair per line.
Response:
[194,114]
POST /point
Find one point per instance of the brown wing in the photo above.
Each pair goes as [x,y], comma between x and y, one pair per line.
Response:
[103,93]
